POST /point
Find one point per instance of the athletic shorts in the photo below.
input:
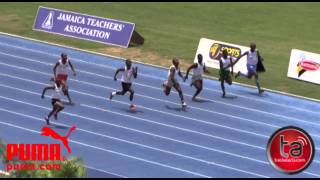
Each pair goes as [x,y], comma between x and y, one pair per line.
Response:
[251,68]
[169,83]
[62,77]
[53,101]
[126,86]
[196,78]
[225,75]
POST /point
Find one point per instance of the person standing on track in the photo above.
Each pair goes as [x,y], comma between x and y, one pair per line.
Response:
[60,71]
[172,81]
[253,58]
[225,63]
[126,80]
[57,104]
[198,69]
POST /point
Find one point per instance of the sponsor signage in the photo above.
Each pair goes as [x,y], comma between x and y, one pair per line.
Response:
[304,66]
[82,26]
[44,153]
[211,51]
[290,150]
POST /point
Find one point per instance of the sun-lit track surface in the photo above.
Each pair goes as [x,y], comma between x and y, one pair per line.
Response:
[216,137]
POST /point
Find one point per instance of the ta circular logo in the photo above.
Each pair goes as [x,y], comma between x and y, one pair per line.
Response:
[290,150]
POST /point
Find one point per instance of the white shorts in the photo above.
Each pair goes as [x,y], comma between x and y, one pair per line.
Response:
[196,78]
[169,83]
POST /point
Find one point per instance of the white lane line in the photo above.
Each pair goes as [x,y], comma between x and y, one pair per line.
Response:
[145,146]
[107,87]
[113,152]
[144,132]
[183,129]
[312,174]
[214,101]
[245,119]
[156,77]
[107,172]
[311,111]
[154,110]
[47,43]
[130,116]
[99,97]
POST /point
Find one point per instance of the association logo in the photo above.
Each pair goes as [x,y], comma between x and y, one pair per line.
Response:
[306,65]
[38,152]
[217,48]
[48,22]
[290,150]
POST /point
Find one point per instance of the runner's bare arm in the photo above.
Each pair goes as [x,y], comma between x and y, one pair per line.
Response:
[232,64]
[245,53]
[135,72]
[205,69]
[220,64]
[188,70]
[45,89]
[180,74]
[115,75]
[72,68]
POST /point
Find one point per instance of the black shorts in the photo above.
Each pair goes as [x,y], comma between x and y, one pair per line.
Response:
[126,86]
[53,101]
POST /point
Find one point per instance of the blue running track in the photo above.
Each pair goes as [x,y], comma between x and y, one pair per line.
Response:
[215,137]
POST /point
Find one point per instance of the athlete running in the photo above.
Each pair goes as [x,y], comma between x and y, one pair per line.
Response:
[225,63]
[172,81]
[60,71]
[253,58]
[57,104]
[126,81]
[198,69]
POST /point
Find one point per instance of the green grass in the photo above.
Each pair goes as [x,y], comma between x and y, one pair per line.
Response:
[174,30]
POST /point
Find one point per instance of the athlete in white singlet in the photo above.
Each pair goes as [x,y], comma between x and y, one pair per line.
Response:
[198,69]
[253,57]
[128,73]
[226,63]
[60,71]
[57,105]
[172,81]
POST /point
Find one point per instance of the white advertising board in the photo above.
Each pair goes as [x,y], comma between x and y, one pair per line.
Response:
[211,51]
[304,66]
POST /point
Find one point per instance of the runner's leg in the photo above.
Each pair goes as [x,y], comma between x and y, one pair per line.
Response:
[122,92]
[258,83]
[131,92]
[223,88]
[178,89]
[59,108]
[167,87]
[198,84]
